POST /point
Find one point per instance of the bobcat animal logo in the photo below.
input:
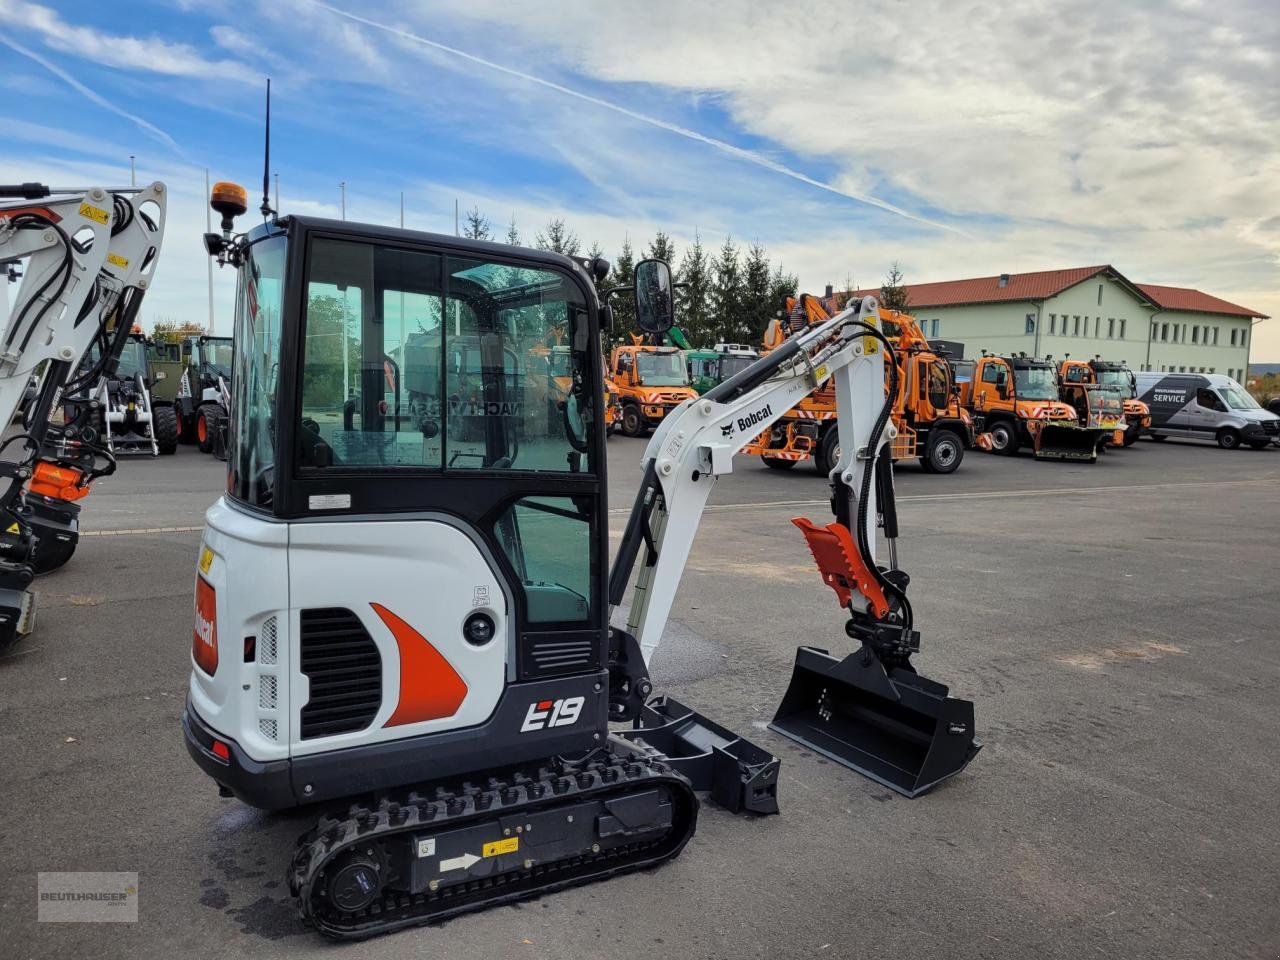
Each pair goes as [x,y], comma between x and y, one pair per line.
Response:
[726,430]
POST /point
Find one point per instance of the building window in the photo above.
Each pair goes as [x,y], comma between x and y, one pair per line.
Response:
[1122,322]
[1099,294]
[1244,338]
[936,323]
[1215,336]
[1195,334]
[1164,332]
[1031,323]
[1097,327]
[1111,328]
[1233,338]
[1077,327]
[1213,369]
[1053,323]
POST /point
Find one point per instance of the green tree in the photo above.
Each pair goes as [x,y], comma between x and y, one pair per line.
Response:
[513,235]
[475,225]
[781,286]
[693,308]
[893,294]
[598,251]
[624,311]
[558,238]
[168,330]
[758,305]
[662,249]
[727,295]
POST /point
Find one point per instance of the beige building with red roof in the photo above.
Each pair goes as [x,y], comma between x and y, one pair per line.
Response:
[1088,311]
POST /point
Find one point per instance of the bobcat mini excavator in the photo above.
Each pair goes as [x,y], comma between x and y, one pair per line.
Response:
[85,256]
[417,619]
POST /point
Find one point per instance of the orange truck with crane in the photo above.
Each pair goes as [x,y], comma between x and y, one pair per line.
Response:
[1015,399]
[930,423]
[1076,376]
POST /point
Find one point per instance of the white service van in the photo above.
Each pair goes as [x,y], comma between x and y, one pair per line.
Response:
[1206,406]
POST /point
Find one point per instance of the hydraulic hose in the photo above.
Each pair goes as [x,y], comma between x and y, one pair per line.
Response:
[868,475]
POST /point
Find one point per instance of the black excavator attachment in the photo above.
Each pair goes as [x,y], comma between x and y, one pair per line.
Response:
[893,725]
[870,710]
[739,776]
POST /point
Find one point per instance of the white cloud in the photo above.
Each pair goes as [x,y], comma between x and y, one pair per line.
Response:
[148,54]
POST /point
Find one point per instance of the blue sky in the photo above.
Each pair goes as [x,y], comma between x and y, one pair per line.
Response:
[961,141]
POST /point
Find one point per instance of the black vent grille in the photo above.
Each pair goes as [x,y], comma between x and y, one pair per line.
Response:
[342,662]
[559,654]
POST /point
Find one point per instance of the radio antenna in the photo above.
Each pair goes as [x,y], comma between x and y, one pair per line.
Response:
[266,161]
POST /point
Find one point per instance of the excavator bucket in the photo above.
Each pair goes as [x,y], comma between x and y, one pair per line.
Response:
[888,723]
[896,727]
[1068,443]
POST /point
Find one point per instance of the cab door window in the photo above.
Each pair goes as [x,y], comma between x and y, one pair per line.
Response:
[1209,400]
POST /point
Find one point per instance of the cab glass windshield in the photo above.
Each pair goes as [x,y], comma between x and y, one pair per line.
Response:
[218,354]
[1238,399]
[665,369]
[732,365]
[1119,378]
[251,475]
[1035,383]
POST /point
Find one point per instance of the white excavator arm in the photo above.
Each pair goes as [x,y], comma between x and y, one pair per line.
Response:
[83,248]
[696,443]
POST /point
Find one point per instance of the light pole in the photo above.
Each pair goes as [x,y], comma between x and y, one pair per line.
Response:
[208,226]
[133,176]
[277,194]
[343,187]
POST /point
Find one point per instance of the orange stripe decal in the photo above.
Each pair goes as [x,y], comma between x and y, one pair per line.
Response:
[429,687]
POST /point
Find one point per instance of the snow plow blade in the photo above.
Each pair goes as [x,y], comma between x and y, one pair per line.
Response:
[895,727]
[1069,443]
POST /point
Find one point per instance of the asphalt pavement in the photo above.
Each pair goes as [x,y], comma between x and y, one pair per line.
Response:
[1115,625]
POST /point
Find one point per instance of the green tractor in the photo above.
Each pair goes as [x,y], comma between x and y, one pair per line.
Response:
[709,368]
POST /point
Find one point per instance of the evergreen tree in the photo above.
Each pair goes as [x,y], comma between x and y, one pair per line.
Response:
[475,225]
[781,286]
[662,249]
[728,322]
[893,295]
[558,238]
[513,235]
[598,251]
[624,310]
[759,305]
[693,309]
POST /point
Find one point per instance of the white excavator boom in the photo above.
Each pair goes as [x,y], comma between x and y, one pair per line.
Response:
[82,249]
[696,443]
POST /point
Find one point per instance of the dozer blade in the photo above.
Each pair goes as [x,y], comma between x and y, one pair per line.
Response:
[1068,443]
[896,727]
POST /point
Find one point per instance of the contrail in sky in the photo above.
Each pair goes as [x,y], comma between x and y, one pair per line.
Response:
[748,155]
[96,98]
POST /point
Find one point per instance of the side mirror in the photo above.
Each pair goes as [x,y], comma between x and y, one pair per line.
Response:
[655,303]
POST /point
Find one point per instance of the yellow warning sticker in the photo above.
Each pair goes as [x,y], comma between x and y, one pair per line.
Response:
[90,212]
[13,528]
[206,559]
[820,372]
[499,847]
[119,261]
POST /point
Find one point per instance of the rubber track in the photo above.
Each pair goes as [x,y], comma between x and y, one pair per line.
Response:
[444,808]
